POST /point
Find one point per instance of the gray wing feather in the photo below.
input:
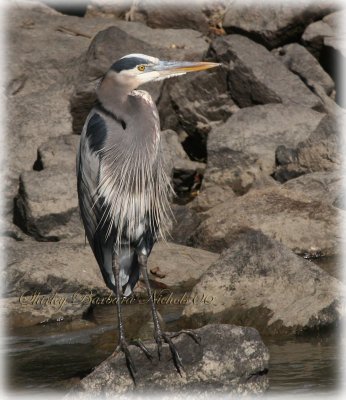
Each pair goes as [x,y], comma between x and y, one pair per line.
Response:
[88,167]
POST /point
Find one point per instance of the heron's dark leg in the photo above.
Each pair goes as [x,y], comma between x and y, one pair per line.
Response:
[123,346]
[158,333]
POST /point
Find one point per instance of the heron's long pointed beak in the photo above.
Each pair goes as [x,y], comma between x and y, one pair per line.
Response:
[166,68]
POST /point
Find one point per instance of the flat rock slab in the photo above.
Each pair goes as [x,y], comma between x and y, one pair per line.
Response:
[38,309]
[67,268]
[308,227]
[259,282]
[230,360]
[256,76]
[180,266]
[51,267]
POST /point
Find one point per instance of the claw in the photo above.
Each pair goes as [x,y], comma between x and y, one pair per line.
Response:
[140,344]
[129,362]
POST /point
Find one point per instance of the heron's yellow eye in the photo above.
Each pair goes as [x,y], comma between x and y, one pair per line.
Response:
[141,67]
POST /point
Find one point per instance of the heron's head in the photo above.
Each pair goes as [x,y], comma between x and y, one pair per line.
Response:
[134,70]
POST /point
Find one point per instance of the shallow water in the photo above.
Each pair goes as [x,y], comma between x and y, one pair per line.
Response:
[55,356]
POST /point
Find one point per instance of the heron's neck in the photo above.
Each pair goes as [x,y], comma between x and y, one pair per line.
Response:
[113,96]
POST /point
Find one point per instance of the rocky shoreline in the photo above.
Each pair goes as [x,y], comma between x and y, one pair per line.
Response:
[254,150]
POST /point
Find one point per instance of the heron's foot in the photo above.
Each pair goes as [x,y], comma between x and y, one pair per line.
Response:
[167,338]
[123,346]
[141,345]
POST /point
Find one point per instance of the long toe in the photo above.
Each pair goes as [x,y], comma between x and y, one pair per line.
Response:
[176,357]
[123,347]
[130,364]
[140,344]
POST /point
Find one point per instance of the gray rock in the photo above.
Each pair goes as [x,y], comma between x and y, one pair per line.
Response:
[210,196]
[46,206]
[33,122]
[124,38]
[259,282]
[321,151]
[51,268]
[257,77]
[185,222]
[180,266]
[322,186]
[40,81]
[300,61]
[58,152]
[184,172]
[35,309]
[273,24]
[100,8]
[200,16]
[230,360]
[71,267]
[45,200]
[309,228]
[190,105]
[328,32]
[9,230]
[241,151]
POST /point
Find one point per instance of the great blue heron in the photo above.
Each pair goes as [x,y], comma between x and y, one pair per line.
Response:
[123,189]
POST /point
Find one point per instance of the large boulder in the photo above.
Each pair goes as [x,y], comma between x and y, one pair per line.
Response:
[259,282]
[306,226]
[46,200]
[124,38]
[326,40]
[229,360]
[301,62]
[242,150]
[328,32]
[58,152]
[46,205]
[321,151]
[325,186]
[210,195]
[256,76]
[41,77]
[273,24]
[193,104]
